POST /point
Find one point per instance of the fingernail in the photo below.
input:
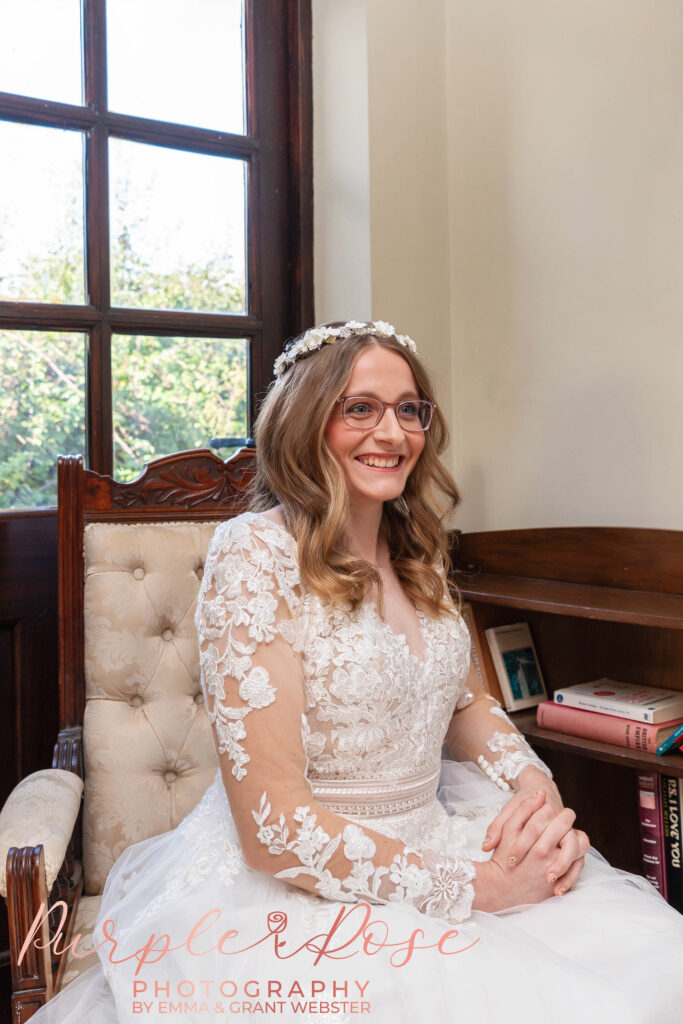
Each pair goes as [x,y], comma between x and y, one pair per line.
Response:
[485,844]
[561,892]
[552,878]
[512,860]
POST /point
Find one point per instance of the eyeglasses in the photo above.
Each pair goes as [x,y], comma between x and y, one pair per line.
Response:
[361,413]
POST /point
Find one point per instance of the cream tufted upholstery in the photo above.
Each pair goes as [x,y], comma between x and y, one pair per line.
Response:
[148,751]
[41,809]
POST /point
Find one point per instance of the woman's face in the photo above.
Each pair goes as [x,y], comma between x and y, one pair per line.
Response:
[377,373]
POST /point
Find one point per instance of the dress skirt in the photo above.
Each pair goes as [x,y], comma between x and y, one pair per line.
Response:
[195,935]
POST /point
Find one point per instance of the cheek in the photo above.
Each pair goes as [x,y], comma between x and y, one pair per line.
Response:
[335,435]
[417,446]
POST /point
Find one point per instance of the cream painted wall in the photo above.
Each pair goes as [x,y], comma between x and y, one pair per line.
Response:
[379,68]
[341,170]
[566,218]
[525,220]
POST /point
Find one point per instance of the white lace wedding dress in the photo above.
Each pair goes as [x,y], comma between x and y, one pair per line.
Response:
[343,834]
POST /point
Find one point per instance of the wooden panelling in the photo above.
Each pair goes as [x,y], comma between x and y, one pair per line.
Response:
[28,665]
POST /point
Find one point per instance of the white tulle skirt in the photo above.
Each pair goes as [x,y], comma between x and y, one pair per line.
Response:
[609,950]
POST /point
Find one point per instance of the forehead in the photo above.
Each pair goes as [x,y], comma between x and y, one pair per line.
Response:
[381,371]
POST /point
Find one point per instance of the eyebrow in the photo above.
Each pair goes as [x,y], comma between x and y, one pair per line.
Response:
[372,394]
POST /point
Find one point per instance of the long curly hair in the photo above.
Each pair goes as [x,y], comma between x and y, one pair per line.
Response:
[295,468]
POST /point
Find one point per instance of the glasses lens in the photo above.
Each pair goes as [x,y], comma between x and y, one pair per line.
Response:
[361,412]
[414,415]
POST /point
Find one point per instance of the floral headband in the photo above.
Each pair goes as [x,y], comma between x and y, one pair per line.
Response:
[319,336]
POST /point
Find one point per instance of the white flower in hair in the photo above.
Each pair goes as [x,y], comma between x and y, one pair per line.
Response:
[384,329]
[316,337]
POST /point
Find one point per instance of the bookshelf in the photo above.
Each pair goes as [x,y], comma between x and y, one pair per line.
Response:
[600,601]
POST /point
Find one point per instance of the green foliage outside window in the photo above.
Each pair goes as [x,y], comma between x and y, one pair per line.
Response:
[169,393]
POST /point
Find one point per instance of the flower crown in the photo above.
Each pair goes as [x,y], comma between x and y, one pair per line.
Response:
[316,337]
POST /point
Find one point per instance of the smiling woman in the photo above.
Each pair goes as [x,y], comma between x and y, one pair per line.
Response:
[376,459]
[328,718]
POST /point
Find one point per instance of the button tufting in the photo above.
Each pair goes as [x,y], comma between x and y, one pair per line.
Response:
[167,634]
[170,776]
[139,573]
[136,701]
[199,571]
[199,698]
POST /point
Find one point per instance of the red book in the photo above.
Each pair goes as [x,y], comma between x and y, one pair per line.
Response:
[593,725]
[652,831]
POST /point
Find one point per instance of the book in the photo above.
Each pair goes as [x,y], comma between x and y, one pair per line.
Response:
[516,664]
[652,830]
[623,732]
[476,654]
[625,700]
[672,810]
[672,742]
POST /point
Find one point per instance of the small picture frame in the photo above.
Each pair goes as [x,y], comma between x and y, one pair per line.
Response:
[517,667]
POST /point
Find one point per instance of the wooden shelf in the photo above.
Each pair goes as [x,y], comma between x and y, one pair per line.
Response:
[580,600]
[668,764]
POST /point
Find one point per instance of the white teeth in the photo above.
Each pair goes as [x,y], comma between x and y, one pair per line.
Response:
[369,460]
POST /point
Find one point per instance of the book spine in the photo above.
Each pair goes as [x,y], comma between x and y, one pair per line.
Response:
[587,703]
[651,831]
[671,819]
[624,732]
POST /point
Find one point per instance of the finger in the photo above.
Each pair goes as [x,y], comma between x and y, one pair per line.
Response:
[527,839]
[574,846]
[566,881]
[529,810]
[552,835]
[495,828]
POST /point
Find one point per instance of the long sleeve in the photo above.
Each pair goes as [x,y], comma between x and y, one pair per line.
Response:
[253,683]
[480,731]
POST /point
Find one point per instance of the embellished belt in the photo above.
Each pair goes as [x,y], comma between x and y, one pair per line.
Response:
[375,797]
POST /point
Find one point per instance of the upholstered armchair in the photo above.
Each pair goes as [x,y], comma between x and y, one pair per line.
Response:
[134,740]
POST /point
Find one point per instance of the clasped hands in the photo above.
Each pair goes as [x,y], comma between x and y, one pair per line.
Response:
[536,851]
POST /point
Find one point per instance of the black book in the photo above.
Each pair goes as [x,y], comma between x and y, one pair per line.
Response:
[672,812]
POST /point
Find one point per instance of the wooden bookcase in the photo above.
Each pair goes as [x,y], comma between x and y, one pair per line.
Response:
[600,601]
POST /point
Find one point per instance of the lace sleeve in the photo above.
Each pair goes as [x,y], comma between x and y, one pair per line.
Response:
[480,731]
[253,683]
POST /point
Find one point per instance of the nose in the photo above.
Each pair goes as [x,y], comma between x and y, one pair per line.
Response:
[388,427]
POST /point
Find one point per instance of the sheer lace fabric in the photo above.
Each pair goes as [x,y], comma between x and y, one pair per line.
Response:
[329,730]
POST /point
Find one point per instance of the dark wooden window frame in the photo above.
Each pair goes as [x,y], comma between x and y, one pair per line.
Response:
[277,148]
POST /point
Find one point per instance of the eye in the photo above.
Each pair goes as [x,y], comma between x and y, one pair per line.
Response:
[358,408]
[408,409]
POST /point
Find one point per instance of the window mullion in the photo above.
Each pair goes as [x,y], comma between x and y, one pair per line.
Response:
[99,401]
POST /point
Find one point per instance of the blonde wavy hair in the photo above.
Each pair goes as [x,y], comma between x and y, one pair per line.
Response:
[296,468]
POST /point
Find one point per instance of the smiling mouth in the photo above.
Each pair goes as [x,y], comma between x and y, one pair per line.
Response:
[385,463]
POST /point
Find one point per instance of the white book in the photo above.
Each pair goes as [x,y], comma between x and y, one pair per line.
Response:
[516,664]
[623,700]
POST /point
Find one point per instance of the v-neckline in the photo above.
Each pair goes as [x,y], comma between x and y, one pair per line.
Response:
[401,638]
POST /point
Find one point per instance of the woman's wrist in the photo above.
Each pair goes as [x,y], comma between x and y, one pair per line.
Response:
[487,886]
[532,778]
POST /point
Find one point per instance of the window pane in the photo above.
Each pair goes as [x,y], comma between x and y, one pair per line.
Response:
[41,214]
[177,229]
[42,412]
[171,394]
[40,49]
[177,61]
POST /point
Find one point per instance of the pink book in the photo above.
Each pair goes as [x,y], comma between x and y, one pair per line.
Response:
[593,725]
[652,830]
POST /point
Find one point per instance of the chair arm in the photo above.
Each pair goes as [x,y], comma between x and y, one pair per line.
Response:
[40,811]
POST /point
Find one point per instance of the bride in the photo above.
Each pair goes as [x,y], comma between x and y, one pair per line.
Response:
[337,868]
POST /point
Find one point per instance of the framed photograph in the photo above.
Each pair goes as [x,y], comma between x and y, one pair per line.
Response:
[517,667]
